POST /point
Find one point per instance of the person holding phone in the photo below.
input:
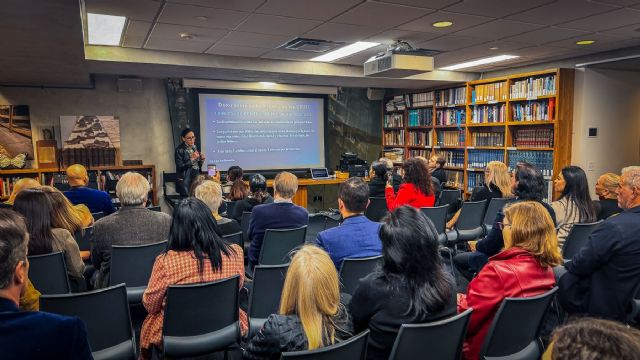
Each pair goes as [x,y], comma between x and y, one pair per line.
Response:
[188,161]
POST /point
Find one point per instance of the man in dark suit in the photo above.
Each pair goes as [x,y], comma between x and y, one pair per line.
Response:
[188,161]
[281,214]
[357,236]
[30,334]
[602,278]
[96,200]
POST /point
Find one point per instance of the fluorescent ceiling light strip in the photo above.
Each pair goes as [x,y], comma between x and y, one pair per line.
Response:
[345,51]
[478,62]
[105,29]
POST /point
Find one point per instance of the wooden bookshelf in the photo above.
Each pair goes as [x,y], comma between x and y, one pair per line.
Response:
[501,106]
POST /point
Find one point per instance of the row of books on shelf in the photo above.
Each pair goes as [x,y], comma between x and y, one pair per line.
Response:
[489,114]
[478,159]
[450,138]
[420,117]
[533,138]
[396,103]
[420,99]
[533,87]
[449,97]
[394,137]
[420,138]
[474,179]
[487,138]
[393,120]
[450,117]
[543,160]
[534,110]
[453,158]
[419,152]
[454,179]
[489,92]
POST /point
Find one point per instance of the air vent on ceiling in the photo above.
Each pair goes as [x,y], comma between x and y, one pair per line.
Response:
[311,45]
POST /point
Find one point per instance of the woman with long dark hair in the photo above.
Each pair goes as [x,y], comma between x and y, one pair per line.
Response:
[233,173]
[257,195]
[412,287]
[416,189]
[575,205]
[195,253]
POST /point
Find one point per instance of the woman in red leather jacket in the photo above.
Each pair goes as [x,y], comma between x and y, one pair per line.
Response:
[522,269]
[416,188]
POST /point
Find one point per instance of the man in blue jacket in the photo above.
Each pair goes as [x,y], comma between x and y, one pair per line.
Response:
[96,200]
[30,334]
[357,236]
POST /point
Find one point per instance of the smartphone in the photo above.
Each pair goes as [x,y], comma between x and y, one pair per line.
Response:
[211,170]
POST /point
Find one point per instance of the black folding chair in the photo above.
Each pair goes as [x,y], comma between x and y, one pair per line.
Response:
[492,209]
[235,238]
[230,206]
[577,239]
[266,290]
[469,224]
[451,197]
[278,243]
[132,265]
[244,224]
[438,216]
[83,238]
[352,270]
[48,273]
[97,215]
[193,326]
[377,209]
[513,334]
[443,339]
[105,313]
[171,198]
[353,349]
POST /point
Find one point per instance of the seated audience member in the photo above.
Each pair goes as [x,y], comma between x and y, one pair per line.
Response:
[416,189]
[238,191]
[436,168]
[412,287]
[575,205]
[606,187]
[396,178]
[195,254]
[233,173]
[22,184]
[257,195]
[602,278]
[30,334]
[378,179]
[527,185]
[133,224]
[497,184]
[66,215]
[96,200]
[195,183]
[589,338]
[310,315]
[357,236]
[211,194]
[36,208]
[522,269]
[281,214]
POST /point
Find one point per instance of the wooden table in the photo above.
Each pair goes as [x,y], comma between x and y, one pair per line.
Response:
[300,198]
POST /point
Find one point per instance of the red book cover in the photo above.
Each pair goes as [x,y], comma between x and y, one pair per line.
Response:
[551,109]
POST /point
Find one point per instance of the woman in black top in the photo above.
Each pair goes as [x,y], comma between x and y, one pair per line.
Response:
[210,192]
[608,199]
[258,195]
[378,180]
[412,286]
[188,161]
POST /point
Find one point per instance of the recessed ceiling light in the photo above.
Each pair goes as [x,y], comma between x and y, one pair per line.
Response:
[187,36]
[478,62]
[442,24]
[585,42]
[345,51]
[105,29]
[202,18]
[494,48]
[267,83]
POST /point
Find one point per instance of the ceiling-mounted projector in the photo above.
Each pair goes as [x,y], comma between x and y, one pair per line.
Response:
[399,61]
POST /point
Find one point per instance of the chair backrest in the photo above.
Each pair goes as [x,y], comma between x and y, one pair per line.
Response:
[377,209]
[438,216]
[230,206]
[132,264]
[105,313]
[577,238]
[268,281]
[48,273]
[278,243]
[235,238]
[168,178]
[516,326]
[353,349]
[471,215]
[193,325]
[443,339]
[352,270]
[492,209]
[83,238]
[244,224]
[97,215]
[451,197]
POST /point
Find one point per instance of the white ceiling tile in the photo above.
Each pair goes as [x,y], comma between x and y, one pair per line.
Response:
[450,43]
[131,9]
[172,32]
[546,35]
[240,5]
[361,57]
[307,9]
[341,32]
[277,25]
[240,38]
[460,21]
[177,45]
[136,33]
[428,4]
[289,55]
[215,18]
[610,20]
[561,12]
[232,50]
[629,31]
[495,8]
[390,36]
[132,41]
[499,29]
[384,15]
[500,47]
[602,41]
[545,51]
[618,2]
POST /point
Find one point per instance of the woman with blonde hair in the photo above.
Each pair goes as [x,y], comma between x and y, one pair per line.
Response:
[522,269]
[66,215]
[210,193]
[310,315]
[606,187]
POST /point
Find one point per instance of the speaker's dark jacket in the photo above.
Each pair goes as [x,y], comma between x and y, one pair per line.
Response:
[184,169]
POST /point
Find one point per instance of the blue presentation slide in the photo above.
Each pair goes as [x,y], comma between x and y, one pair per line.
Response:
[262,132]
